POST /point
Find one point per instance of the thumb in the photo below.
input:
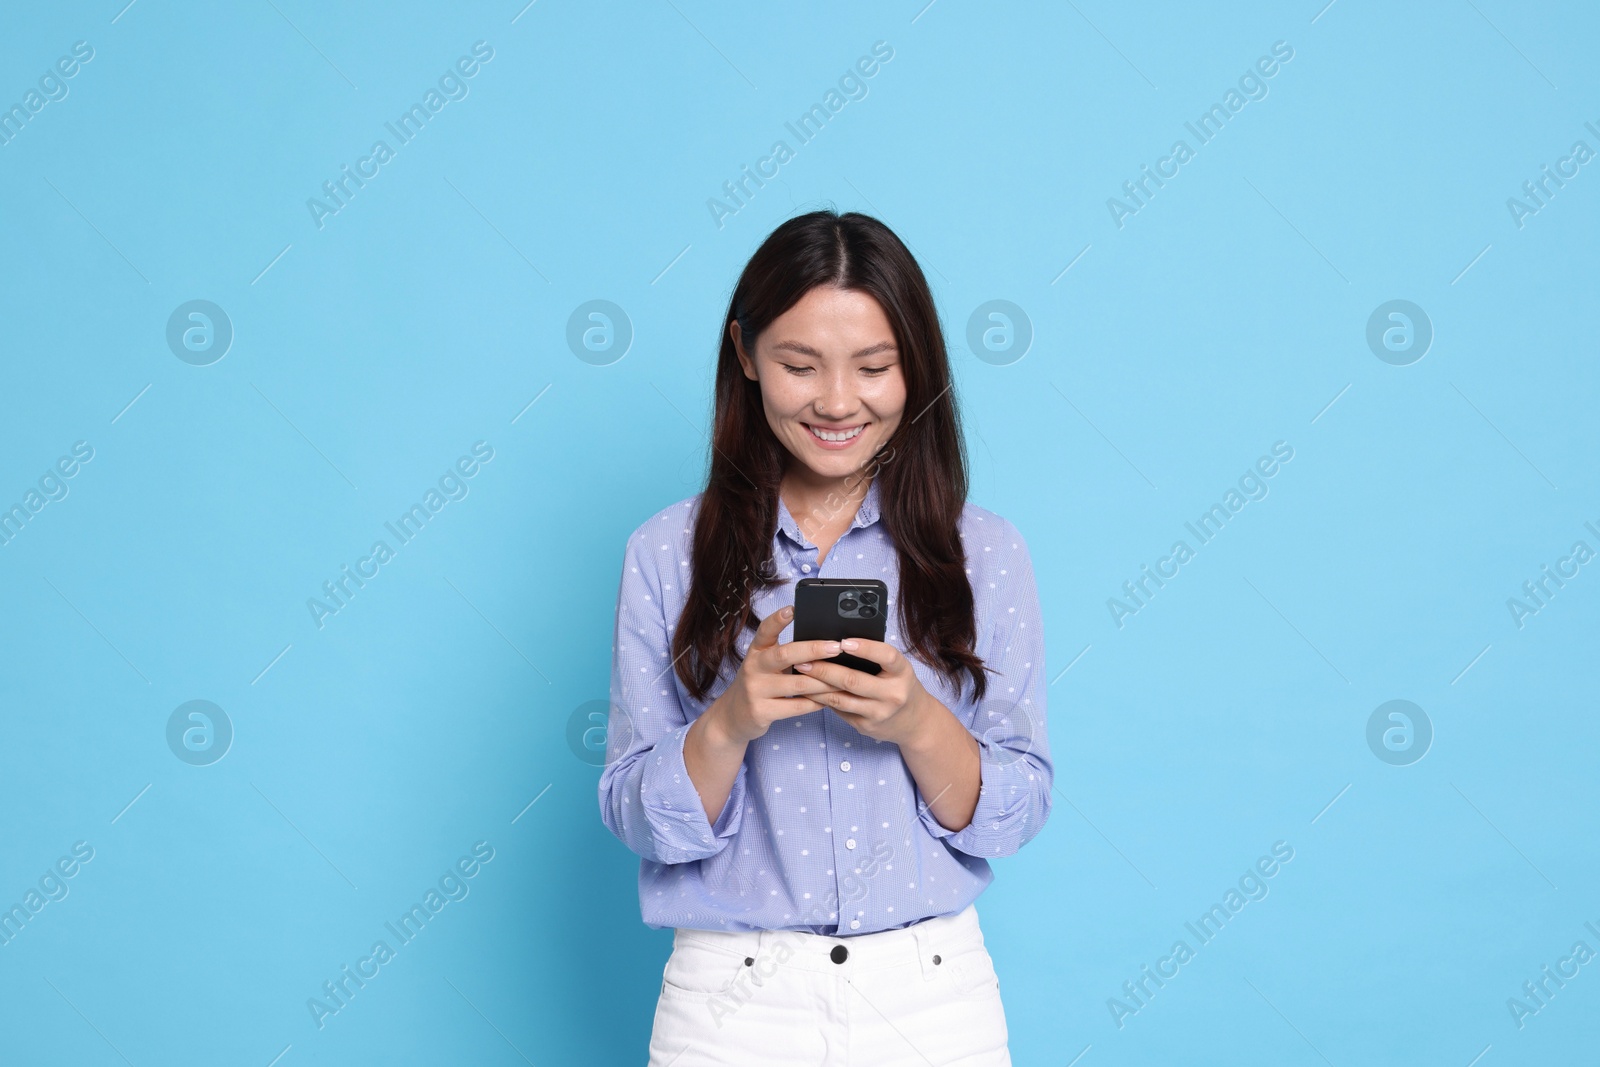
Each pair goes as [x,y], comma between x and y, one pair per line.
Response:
[771,626]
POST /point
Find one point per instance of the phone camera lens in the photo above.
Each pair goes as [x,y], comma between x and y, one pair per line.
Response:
[869,597]
[868,611]
[847,604]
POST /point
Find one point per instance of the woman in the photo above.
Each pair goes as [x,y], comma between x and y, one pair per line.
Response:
[816,839]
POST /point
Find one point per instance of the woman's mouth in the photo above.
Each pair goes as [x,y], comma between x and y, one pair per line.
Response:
[835,438]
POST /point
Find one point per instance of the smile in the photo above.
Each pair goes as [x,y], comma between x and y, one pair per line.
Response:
[836,437]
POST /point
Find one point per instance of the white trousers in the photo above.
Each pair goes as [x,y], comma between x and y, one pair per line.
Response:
[920,995]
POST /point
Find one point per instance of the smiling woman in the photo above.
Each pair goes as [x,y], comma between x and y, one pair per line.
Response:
[833,400]
[763,801]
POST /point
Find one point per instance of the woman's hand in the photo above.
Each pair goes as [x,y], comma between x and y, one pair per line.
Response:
[763,691]
[889,706]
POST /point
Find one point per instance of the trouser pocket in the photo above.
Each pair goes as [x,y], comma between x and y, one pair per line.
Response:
[697,972]
[970,969]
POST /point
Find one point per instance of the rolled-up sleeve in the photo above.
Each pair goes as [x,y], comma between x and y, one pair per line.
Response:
[1015,768]
[647,799]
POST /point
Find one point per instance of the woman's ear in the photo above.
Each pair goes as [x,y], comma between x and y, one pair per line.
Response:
[745,361]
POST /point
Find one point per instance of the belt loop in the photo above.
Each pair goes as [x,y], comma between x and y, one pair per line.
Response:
[763,942]
[926,947]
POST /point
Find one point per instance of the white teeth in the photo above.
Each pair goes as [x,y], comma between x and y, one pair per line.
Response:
[828,435]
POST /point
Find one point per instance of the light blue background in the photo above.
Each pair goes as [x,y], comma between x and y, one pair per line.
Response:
[369,354]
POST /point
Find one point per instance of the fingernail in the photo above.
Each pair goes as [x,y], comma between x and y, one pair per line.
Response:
[832,646]
[849,643]
[802,666]
[788,612]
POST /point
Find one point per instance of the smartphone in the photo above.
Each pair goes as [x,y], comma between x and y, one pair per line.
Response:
[831,609]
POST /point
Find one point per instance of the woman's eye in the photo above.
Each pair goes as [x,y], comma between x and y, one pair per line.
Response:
[874,371]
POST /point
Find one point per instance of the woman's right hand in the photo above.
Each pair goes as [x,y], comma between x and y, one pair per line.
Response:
[764,691]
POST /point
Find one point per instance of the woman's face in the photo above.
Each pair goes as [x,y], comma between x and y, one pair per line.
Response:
[829,363]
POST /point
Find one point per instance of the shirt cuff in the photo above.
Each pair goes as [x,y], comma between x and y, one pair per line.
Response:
[677,816]
[999,820]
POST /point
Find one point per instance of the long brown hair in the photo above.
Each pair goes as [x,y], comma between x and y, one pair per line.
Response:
[921,471]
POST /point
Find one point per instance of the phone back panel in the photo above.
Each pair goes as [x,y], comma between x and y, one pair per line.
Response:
[830,609]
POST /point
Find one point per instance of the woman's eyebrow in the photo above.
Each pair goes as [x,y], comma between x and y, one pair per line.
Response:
[807,350]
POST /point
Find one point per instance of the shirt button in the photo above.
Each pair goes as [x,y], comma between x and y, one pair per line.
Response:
[845,765]
[806,567]
[854,923]
[849,842]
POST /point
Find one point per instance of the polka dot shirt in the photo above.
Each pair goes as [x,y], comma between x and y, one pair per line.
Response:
[825,830]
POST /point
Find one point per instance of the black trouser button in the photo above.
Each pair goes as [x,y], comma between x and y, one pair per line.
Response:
[839,954]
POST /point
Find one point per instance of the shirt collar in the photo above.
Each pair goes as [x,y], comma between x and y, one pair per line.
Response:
[866,514]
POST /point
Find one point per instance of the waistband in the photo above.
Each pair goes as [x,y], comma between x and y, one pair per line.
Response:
[918,944]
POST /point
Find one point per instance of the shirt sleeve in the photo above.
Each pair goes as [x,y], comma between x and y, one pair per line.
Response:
[1015,769]
[647,799]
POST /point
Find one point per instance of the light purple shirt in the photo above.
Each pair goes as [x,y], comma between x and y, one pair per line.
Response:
[825,829]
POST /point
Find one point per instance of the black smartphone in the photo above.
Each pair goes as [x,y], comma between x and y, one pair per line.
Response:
[831,609]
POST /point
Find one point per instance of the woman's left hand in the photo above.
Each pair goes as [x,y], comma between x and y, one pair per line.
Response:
[889,706]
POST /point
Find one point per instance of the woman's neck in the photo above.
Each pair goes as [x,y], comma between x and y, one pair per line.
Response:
[824,508]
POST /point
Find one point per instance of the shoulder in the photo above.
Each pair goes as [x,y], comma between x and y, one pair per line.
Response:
[664,538]
[986,534]
[997,554]
[676,519]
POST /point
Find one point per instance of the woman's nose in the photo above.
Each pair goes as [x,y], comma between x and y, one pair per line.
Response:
[837,396]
